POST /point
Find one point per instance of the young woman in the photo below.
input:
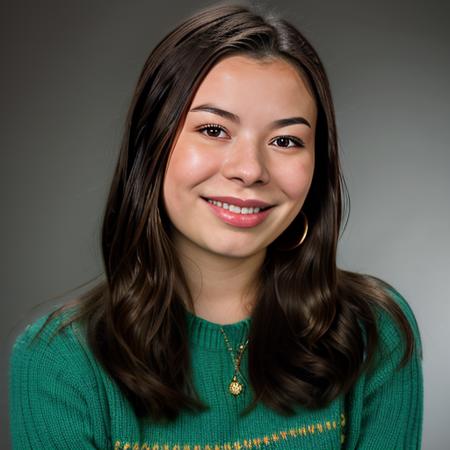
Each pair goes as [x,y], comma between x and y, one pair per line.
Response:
[223,321]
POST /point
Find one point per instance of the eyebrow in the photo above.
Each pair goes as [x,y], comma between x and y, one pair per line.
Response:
[234,118]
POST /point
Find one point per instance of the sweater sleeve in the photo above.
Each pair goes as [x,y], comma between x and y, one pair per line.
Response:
[391,411]
[52,403]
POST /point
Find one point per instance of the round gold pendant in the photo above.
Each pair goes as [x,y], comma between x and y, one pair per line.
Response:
[235,387]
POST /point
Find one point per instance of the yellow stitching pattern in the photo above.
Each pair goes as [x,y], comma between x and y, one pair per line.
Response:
[343,423]
[258,442]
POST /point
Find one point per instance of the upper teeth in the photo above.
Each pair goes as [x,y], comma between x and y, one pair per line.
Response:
[234,208]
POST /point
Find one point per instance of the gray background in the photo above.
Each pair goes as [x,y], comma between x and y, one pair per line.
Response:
[68,71]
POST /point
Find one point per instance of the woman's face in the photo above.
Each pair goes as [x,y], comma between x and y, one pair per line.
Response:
[247,143]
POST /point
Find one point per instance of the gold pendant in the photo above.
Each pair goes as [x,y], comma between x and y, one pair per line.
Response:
[235,387]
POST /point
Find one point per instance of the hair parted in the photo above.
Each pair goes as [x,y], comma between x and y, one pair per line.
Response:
[306,345]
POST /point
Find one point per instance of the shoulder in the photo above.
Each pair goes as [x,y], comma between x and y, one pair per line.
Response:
[390,328]
[42,346]
[56,389]
[399,342]
[384,407]
[40,333]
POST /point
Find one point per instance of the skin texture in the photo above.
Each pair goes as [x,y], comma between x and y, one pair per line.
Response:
[248,160]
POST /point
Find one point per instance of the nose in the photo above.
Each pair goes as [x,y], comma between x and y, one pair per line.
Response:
[245,163]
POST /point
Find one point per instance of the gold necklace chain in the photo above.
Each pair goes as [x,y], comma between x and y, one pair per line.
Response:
[235,387]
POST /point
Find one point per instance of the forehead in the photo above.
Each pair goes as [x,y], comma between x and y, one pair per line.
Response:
[270,83]
[230,65]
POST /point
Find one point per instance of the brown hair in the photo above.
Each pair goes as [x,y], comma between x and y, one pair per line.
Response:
[318,314]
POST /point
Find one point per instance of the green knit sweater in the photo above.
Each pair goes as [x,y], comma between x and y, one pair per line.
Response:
[61,398]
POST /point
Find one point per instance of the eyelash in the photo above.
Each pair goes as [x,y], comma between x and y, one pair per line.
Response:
[296,141]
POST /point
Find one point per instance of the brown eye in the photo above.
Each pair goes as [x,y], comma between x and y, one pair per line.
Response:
[212,130]
[283,142]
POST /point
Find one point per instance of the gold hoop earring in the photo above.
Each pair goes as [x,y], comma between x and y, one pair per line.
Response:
[305,232]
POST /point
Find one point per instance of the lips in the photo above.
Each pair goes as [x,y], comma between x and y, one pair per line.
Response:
[237,216]
[249,203]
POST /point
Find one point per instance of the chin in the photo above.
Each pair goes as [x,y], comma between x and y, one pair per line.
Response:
[235,251]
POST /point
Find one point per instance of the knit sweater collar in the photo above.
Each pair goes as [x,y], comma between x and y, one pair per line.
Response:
[207,334]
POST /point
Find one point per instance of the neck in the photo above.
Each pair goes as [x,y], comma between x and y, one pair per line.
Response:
[222,288]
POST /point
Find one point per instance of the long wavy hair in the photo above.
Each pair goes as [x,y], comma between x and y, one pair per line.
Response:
[323,318]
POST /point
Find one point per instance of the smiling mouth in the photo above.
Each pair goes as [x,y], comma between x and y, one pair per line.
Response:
[237,209]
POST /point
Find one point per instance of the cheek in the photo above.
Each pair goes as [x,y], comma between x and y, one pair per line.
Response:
[188,166]
[295,179]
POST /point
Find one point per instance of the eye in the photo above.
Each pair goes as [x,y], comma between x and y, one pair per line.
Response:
[285,140]
[212,129]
